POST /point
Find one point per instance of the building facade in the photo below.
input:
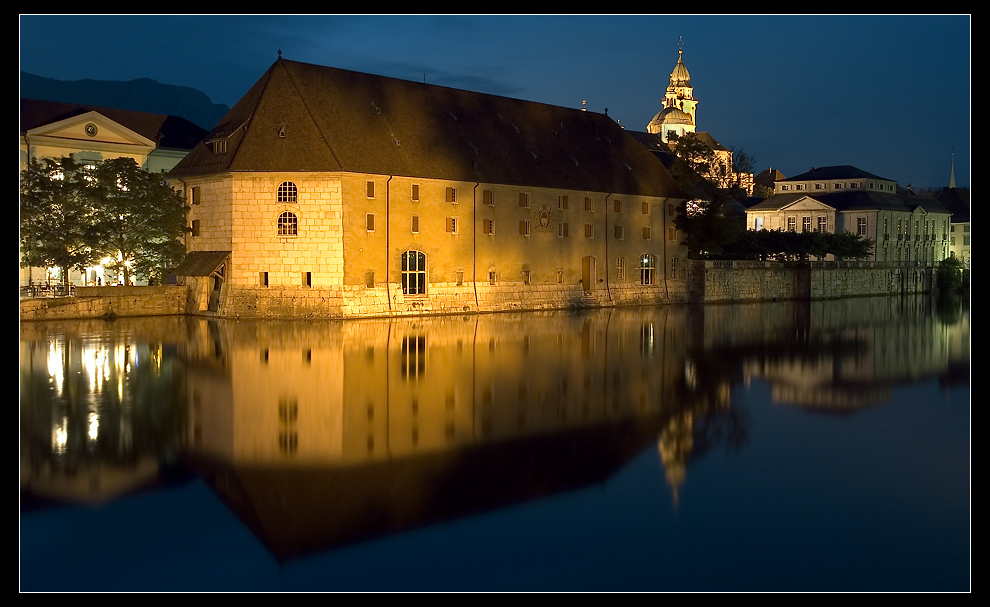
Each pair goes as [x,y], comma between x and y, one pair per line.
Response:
[904,227]
[326,192]
[90,135]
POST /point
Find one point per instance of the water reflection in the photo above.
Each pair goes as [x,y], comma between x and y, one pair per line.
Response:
[318,434]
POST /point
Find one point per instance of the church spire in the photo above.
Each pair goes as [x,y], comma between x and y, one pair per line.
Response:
[952,173]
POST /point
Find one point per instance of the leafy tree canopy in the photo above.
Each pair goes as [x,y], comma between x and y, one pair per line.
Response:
[116,210]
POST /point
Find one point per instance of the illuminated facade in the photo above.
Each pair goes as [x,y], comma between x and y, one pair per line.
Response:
[903,226]
[679,117]
[326,192]
[90,135]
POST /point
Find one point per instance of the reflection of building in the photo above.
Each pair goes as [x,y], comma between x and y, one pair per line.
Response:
[317,433]
[903,226]
[90,135]
[326,192]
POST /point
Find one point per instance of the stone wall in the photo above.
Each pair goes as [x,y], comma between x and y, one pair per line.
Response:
[707,282]
[101,302]
[734,281]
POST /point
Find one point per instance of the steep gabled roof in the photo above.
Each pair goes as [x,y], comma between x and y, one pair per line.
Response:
[171,132]
[843,171]
[304,117]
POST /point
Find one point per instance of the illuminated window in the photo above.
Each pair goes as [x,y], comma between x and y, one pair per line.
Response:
[288,224]
[413,273]
[287,192]
[647,269]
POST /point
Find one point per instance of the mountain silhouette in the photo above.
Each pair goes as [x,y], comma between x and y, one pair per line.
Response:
[140,95]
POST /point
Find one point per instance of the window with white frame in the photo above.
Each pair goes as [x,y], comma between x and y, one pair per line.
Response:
[287,224]
[287,192]
[413,273]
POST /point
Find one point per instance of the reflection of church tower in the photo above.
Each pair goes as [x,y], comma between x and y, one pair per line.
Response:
[679,114]
[675,445]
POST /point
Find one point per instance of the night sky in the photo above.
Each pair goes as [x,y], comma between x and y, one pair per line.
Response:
[888,94]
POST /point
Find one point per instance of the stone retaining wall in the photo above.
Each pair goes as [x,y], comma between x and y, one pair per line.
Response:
[737,281]
[707,282]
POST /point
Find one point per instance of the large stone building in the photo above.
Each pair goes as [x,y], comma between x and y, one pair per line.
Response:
[92,134]
[327,192]
[903,226]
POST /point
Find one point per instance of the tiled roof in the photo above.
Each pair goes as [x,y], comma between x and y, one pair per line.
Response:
[843,171]
[304,117]
[171,132]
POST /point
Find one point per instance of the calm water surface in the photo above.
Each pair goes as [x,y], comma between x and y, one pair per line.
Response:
[819,446]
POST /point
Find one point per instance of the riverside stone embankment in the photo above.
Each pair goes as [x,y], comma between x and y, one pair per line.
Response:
[706,282]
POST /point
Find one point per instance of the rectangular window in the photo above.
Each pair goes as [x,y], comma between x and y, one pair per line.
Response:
[369,279]
[560,276]
[307,279]
[589,230]
[526,278]
[823,224]
[838,186]
[491,277]
[524,228]
[371,189]
[790,224]
[489,226]
[819,186]
[488,197]
[263,279]
[415,224]
[854,185]
[562,202]
[617,205]
[524,200]
[618,233]
[195,227]
[451,195]
[671,233]
[195,195]
[620,268]
[646,208]
[370,222]
[451,225]
[459,277]
[670,209]
[806,224]
[647,233]
[861,226]
[589,205]
[415,192]
[562,229]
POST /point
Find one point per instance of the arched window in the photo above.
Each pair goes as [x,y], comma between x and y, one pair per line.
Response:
[647,269]
[288,224]
[414,273]
[287,192]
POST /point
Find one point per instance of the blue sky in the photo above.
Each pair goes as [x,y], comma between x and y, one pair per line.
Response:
[889,94]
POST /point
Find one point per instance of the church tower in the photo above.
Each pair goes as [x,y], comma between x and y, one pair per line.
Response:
[679,113]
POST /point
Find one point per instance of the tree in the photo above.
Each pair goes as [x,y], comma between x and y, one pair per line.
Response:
[55,215]
[138,219]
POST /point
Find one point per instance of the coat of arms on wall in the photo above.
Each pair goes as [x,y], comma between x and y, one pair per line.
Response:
[545,219]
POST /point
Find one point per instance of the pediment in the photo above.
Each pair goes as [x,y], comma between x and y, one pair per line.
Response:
[91,127]
[807,203]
